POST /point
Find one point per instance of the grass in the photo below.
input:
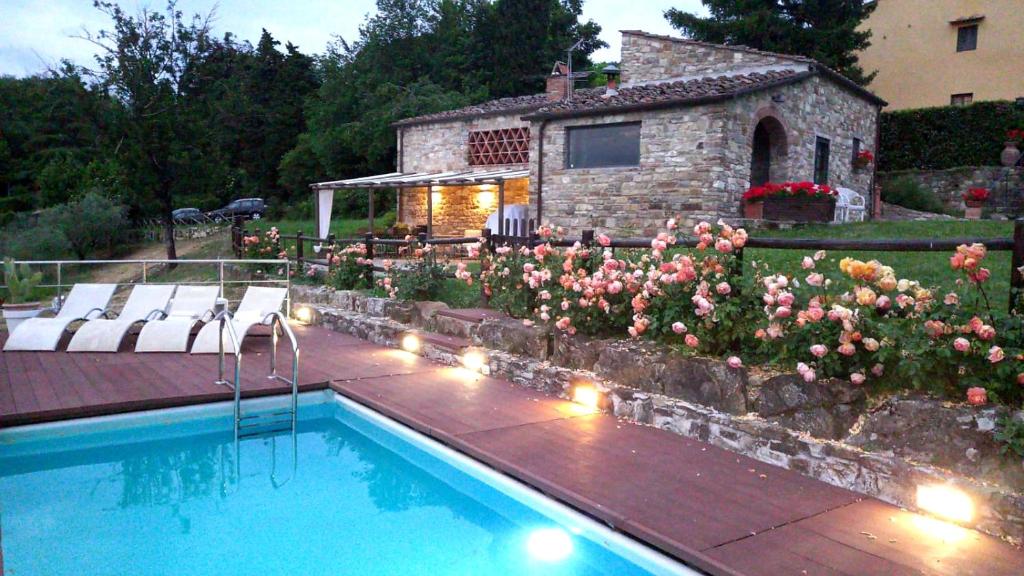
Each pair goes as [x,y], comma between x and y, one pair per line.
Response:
[930,268]
[341,228]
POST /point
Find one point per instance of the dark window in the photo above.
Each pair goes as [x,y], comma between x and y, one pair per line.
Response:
[967,38]
[961,99]
[603,145]
[856,149]
[821,153]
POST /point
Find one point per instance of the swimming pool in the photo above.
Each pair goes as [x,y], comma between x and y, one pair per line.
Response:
[168,492]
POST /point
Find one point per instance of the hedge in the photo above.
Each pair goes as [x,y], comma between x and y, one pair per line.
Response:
[947,137]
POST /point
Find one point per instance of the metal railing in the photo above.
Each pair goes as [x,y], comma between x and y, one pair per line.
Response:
[146,267]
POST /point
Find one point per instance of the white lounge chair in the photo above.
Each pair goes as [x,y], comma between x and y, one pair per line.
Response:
[191,305]
[257,303]
[85,301]
[146,302]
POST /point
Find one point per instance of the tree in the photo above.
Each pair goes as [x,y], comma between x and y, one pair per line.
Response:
[826,30]
[148,62]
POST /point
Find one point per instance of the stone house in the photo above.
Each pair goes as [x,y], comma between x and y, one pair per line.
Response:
[690,127]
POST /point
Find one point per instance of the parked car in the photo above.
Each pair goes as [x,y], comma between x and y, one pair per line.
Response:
[187,216]
[253,208]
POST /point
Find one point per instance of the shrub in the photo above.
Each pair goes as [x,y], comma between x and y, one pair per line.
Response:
[21,282]
[907,192]
[946,137]
[89,224]
[422,277]
[349,269]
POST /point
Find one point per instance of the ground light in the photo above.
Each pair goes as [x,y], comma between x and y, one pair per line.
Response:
[304,314]
[945,501]
[474,360]
[411,343]
[586,395]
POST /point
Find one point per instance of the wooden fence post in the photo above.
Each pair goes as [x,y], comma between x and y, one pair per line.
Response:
[369,256]
[299,252]
[587,240]
[485,251]
[1017,267]
[330,249]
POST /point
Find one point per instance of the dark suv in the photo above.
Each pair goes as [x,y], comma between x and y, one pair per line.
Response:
[245,207]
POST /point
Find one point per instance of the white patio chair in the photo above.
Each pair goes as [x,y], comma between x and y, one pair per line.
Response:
[191,305]
[146,302]
[850,206]
[85,301]
[258,302]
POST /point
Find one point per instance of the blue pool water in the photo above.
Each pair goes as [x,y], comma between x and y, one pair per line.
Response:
[162,495]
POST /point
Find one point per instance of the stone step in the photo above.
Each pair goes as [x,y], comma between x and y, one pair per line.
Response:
[452,344]
[462,322]
[473,315]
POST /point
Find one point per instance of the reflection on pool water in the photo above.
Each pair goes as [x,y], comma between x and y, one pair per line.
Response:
[348,494]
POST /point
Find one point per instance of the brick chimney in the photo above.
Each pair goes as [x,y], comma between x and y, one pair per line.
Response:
[557,87]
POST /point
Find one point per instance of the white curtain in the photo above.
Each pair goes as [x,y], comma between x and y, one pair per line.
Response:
[324,203]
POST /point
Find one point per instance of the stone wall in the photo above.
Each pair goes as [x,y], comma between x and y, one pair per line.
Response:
[441,146]
[1005,184]
[459,208]
[682,171]
[695,161]
[809,109]
[647,57]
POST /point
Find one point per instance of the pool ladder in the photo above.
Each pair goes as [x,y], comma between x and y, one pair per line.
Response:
[257,424]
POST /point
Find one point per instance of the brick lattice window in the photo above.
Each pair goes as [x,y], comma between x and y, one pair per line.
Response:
[498,147]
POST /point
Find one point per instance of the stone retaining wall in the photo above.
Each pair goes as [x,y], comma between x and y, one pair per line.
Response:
[1005,184]
[827,430]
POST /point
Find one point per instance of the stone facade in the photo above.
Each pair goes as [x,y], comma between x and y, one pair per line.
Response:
[695,160]
[1005,184]
[442,146]
[646,57]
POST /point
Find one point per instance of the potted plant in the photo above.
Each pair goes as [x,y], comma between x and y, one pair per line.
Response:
[794,201]
[974,199]
[1011,151]
[864,159]
[21,284]
[753,203]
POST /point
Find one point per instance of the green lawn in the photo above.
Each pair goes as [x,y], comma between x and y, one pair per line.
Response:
[930,268]
[341,228]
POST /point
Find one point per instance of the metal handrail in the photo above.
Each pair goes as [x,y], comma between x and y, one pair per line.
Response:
[276,319]
[224,317]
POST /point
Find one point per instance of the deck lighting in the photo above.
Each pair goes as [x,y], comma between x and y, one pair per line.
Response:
[946,502]
[549,544]
[474,360]
[304,314]
[587,395]
[411,343]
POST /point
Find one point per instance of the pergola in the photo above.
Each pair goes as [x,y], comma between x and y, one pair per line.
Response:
[324,191]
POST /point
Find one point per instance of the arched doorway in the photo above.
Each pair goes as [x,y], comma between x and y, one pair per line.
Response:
[768,152]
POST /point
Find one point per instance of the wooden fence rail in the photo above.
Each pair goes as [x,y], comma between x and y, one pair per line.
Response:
[489,242]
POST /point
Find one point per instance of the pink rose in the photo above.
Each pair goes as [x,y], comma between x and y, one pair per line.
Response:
[678,327]
[878,370]
[996,354]
[604,240]
[809,376]
[816,279]
[815,314]
[786,299]
[528,267]
[734,362]
[819,350]
[691,341]
[724,246]
[563,323]
[986,332]
[857,378]
[847,349]
[807,263]
[783,312]
[951,299]
[723,288]
[977,396]
[961,344]
[883,302]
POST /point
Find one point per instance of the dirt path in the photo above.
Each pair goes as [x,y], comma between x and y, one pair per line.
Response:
[127,273]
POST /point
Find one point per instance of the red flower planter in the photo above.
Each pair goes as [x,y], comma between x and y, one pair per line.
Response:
[800,208]
[753,210]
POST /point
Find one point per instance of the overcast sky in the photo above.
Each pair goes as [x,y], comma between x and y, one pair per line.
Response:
[35,34]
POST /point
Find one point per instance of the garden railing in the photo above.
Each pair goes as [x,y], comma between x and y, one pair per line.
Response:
[388,247]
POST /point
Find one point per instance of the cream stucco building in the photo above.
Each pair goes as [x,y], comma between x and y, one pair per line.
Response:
[942,52]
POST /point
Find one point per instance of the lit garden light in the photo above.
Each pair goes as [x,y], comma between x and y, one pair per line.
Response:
[586,394]
[945,502]
[304,314]
[474,360]
[411,343]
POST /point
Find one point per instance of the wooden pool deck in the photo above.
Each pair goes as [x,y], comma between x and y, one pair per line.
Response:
[715,510]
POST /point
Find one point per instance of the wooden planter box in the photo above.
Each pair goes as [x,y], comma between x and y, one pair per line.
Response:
[800,208]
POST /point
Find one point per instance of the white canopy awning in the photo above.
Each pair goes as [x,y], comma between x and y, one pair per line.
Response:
[423,179]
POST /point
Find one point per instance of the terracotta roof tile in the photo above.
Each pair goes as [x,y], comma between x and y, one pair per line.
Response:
[512,105]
